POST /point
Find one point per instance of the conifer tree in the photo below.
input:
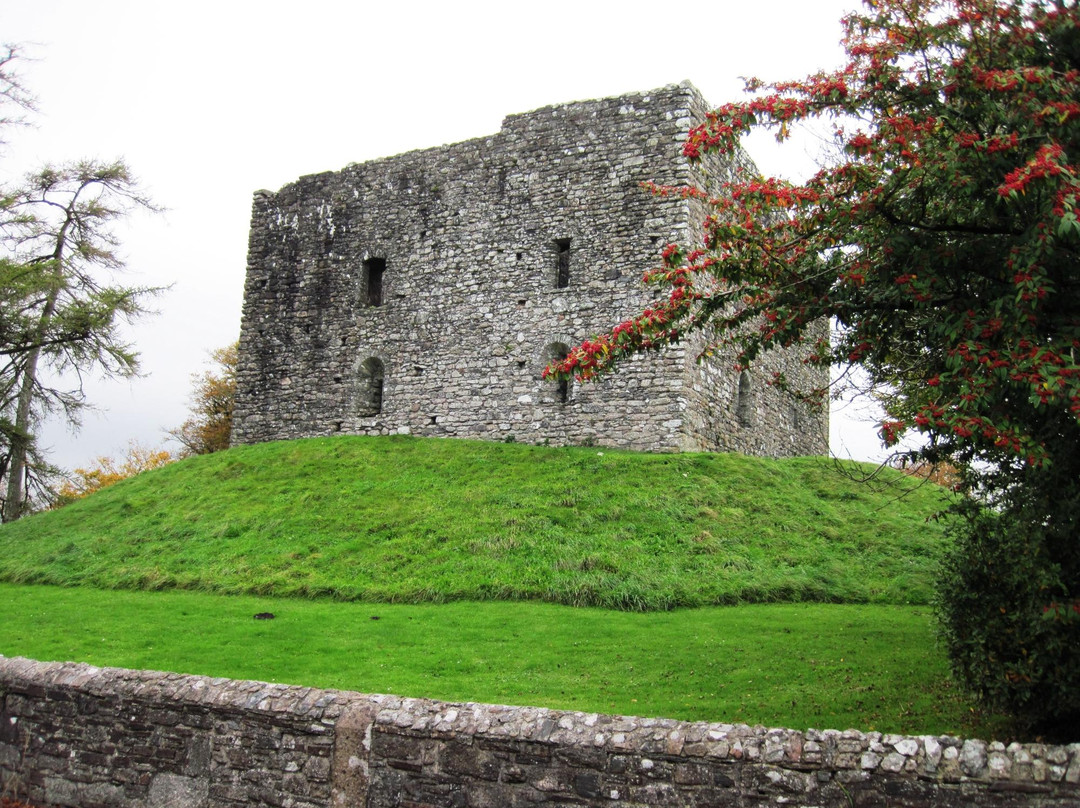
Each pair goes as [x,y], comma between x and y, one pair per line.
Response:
[60,311]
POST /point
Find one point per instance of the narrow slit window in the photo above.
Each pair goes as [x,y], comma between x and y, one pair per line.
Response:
[744,409]
[562,263]
[374,268]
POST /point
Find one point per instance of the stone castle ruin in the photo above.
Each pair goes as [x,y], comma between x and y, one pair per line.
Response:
[424,294]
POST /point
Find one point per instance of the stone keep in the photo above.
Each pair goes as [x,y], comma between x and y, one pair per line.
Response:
[424,293]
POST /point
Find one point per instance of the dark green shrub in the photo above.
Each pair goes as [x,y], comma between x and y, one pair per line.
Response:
[1010,618]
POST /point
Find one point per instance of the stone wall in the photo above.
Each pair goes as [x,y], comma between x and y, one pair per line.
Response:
[424,293]
[75,735]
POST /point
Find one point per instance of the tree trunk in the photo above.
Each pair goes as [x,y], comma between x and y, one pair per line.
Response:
[15,497]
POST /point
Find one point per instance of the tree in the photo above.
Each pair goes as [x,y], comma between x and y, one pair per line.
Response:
[59,312]
[210,425]
[943,473]
[108,471]
[14,97]
[942,242]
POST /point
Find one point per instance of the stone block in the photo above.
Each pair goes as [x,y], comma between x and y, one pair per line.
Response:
[468,761]
[176,791]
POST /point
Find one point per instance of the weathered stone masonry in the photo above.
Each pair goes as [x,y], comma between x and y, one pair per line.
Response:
[424,293]
[74,735]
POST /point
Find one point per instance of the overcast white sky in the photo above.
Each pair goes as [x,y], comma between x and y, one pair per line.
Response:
[210,101]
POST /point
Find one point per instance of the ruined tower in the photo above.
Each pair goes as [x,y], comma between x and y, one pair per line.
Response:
[425,293]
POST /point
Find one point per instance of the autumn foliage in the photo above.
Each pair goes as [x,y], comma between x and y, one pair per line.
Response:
[209,427]
[108,471]
[941,240]
[944,473]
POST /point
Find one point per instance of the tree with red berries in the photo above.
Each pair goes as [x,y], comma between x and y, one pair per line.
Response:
[942,242]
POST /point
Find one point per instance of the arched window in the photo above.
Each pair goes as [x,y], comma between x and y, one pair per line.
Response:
[369,399]
[553,353]
[744,408]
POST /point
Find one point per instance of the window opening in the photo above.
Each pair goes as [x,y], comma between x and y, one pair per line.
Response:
[554,352]
[744,409]
[370,398]
[562,263]
[373,280]
[562,390]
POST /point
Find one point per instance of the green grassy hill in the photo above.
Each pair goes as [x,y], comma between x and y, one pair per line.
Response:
[422,520]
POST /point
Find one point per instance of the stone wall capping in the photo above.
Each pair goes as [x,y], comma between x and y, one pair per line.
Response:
[79,735]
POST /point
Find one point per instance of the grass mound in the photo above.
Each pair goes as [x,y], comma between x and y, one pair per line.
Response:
[424,520]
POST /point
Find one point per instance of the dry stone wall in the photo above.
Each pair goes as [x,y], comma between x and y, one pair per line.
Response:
[424,293]
[78,736]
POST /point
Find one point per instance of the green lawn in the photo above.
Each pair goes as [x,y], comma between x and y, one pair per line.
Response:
[699,586]
[420,520]
[795,665]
